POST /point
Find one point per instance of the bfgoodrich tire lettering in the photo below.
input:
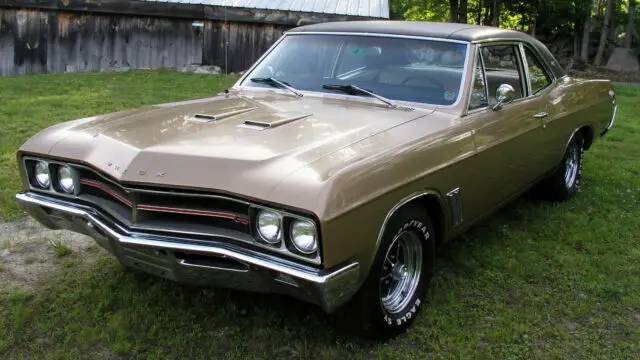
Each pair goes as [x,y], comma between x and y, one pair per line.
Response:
[394,291]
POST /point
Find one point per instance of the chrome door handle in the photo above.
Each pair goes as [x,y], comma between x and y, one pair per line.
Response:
[541,115]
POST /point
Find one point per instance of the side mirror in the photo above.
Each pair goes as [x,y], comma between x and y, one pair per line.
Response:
[504,95]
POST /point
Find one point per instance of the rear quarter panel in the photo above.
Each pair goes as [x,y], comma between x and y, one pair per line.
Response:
[575,104]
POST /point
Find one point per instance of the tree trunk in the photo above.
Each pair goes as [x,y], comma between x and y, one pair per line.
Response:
[462,12]
[577,35]
[604,33]
[488,12]
[453,6]
[479,12]
[631,25]
[613,32]
[534,18]
[496,13]
[584,50]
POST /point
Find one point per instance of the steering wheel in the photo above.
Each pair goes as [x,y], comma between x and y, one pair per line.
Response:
[438,84]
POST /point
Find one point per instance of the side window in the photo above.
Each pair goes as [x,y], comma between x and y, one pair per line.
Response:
[479,90]
[502,65]
[538,77]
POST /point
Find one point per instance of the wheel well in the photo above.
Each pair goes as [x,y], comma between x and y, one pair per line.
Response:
[431,203]
[587,135]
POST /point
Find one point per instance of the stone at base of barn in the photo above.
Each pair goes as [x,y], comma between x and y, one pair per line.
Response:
[623,60]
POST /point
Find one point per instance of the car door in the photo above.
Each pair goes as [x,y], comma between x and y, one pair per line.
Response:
[507,139]
[542,85]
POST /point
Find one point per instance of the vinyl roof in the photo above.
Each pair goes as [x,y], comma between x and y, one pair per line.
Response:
[462,32]
[363,8]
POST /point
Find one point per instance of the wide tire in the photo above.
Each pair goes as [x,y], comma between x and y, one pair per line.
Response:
[389,300]
[565,182]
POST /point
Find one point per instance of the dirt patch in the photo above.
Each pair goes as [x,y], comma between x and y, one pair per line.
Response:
[30,252]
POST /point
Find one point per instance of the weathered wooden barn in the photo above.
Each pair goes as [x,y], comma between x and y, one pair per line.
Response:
[55,36]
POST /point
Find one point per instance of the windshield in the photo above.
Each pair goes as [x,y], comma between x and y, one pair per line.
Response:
[413,70]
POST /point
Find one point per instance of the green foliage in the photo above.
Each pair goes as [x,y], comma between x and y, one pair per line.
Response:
[553,18]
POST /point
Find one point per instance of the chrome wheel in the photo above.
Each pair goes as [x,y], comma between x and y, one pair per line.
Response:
[571,165]
[401,271]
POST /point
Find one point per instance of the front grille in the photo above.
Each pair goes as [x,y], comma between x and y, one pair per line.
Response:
[170,210]
[183,214]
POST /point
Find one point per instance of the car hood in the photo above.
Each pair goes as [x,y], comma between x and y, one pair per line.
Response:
[235,143]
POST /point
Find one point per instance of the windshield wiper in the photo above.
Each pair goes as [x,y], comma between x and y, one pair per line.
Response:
[352,89]
[277,83]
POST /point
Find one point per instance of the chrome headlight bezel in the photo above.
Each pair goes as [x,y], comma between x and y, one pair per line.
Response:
[302,226]
[68,184]
[285,244]
[40,181]
[275,218]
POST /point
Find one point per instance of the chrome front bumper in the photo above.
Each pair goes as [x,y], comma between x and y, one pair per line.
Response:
[214,262]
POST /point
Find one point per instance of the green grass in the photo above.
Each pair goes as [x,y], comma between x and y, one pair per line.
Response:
[60,249]
[30,103]
[537,281]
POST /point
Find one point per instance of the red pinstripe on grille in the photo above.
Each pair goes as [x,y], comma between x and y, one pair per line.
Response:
[217,214]
[105,189]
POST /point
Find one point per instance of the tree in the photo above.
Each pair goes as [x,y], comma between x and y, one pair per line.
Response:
[453,10]
[462,12]
[584,49]
[458,11]
[631,25]
[604,34]
[496,13]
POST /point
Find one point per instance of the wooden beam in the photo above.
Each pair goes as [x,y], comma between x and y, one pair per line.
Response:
[175,10]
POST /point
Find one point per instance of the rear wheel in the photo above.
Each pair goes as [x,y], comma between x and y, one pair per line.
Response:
[565,182]
[391,296]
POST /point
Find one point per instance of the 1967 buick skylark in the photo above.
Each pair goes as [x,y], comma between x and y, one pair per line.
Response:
[332,170]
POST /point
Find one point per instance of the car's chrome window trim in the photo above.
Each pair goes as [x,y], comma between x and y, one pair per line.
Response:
[522,44]
[544,65]
[465,67]
[526,43]
[473,77]
[525,65]
[522,71]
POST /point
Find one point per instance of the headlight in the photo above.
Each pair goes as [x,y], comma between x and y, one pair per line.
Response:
[304,236]
[65,179]
[41,174]
[269,226]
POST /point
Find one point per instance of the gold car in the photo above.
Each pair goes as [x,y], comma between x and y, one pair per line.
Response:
[332,170]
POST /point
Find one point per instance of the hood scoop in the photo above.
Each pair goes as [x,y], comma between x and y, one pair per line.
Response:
[262,125]
[213,118]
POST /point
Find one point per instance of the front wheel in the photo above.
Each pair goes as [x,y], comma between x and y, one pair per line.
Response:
[391,296]
[565,182]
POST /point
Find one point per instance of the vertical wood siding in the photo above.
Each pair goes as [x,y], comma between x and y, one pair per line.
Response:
[37,42]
